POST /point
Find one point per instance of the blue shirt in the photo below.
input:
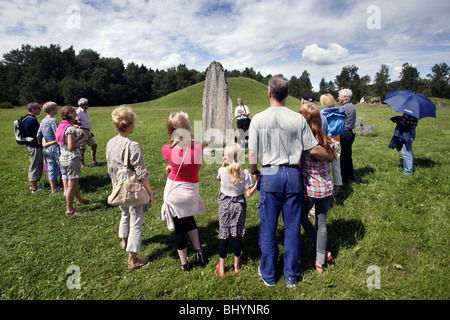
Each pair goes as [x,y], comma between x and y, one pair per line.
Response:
[31,127]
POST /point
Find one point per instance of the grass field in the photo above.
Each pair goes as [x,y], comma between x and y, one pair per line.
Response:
[394,224]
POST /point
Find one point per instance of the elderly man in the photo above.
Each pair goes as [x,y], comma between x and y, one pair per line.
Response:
[279,136]
[84,122]
[347,172]
[35,150]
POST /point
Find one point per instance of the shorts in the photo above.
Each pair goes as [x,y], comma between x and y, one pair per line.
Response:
[90,141]
[72,167]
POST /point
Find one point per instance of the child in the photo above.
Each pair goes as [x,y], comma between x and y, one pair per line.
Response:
[319,188]
[232,205]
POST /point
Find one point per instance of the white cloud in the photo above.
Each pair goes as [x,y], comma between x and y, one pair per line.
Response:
[173,59]
[265,35]
[334,53]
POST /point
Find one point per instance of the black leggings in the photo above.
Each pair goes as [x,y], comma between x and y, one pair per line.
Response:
[182,226]
[236,247]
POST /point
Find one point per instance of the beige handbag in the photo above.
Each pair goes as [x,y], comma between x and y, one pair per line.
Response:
[127,189]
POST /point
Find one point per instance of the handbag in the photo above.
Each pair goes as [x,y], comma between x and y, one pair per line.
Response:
[164,213]
[127,189]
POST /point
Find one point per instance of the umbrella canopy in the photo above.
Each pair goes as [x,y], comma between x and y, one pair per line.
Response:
[412,103]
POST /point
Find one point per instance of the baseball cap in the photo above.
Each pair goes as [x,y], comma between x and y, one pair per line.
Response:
[309,96]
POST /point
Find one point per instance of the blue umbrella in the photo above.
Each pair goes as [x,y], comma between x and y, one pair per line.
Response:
[412,103]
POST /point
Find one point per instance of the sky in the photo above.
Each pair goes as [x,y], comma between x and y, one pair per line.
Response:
[271,36]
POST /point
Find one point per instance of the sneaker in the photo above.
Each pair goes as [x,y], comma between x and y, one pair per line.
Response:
[291,285]
[39,189]
[266,283]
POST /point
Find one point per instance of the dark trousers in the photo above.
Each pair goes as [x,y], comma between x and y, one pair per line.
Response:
[182,226]
[347,171]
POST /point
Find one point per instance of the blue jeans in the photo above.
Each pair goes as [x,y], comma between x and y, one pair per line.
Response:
[408,155]
[280,190]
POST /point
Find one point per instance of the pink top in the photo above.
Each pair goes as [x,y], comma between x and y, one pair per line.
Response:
[61,130]
[191,164]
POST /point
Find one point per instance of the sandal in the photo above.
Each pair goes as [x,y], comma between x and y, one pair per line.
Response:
[73,212]
[330,258]
[218,270]
[319,267]
[199,258]
[240,267]
[139,263]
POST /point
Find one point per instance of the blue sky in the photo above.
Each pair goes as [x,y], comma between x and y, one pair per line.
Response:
[281,36]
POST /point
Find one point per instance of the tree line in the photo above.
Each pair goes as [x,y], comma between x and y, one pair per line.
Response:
[52,74]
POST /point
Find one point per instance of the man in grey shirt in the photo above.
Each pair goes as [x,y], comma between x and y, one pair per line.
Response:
[279,136]
[347,172]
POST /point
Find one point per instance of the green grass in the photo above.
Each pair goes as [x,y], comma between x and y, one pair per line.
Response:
[395,222]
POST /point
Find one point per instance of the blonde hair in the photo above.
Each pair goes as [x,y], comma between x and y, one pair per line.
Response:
[233,153]
[313,118]
[179,130]
[123,117]
[327,100]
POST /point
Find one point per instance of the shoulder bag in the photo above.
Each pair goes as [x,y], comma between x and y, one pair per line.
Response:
[127,190]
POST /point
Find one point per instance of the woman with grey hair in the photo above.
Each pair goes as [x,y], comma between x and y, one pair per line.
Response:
[46,133]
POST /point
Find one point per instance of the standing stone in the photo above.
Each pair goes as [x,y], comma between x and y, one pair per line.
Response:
[217,107]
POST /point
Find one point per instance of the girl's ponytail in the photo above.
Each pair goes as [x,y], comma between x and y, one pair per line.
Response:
[233,154]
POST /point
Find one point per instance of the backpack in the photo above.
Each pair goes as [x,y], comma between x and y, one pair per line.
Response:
[336,120]
[19,131]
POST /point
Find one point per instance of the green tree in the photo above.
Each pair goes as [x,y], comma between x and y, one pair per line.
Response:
[440,80]
[382,80]
[304,83]
[349,78]
[409,77]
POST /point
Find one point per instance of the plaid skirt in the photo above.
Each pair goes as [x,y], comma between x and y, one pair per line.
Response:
[232,213]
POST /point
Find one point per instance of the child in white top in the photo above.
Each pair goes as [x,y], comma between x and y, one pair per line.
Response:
[232,205]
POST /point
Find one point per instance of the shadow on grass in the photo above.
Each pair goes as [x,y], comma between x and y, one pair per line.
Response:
[425,163]
[91,183]
[344,234]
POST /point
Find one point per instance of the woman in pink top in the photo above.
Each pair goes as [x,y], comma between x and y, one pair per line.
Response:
[181,194]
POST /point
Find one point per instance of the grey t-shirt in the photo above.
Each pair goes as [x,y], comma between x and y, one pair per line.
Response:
[279,136]
[350,111]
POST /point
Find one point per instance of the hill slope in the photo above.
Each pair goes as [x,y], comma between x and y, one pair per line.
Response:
[252,92]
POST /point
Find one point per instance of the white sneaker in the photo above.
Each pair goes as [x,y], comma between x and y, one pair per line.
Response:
[39,189]
[267,284]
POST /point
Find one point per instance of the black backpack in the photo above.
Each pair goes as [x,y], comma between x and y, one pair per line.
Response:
[19,131]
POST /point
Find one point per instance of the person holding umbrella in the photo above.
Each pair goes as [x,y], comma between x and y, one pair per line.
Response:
[414,107]
[405,133]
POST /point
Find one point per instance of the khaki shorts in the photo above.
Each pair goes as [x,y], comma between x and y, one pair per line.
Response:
[72,167]
[89,142]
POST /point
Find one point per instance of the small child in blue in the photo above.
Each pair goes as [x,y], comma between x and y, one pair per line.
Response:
[232,205]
